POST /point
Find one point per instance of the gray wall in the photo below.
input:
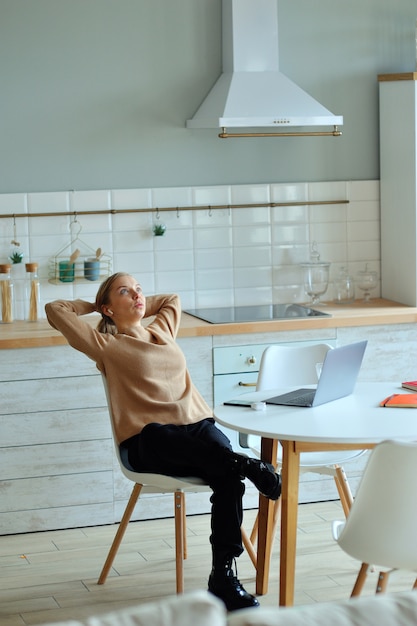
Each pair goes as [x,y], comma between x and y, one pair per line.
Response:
[94,94]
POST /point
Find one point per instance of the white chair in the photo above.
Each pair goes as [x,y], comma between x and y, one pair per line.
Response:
[145,482]
[288,366]
[381,526]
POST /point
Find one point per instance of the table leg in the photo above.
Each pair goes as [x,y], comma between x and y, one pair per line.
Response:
[269,449]
[289,512]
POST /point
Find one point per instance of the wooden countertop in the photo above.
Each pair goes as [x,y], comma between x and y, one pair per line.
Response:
[21,334]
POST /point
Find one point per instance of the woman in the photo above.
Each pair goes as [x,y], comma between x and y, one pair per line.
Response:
[160,418]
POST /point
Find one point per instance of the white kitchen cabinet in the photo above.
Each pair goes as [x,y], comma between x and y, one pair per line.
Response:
[398,185]
[57,463]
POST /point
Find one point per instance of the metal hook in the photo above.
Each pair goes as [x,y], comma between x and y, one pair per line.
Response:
[210,212]
[178,212]
[157,213]
[14,240]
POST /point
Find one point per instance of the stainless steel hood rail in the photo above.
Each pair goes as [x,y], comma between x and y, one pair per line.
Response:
[177,209]
[329,133]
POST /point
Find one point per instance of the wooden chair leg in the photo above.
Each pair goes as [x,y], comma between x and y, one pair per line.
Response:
[179,539]
[249,546]
[120,533]
[382,582]
[343,489]
[360,580]
[254,533]
[184,525]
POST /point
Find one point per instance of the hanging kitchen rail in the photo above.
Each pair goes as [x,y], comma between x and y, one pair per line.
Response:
[177,209]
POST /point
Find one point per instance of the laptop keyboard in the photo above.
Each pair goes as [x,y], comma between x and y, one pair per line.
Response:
[295,398]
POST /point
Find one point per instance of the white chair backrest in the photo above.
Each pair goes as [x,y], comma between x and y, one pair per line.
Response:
[286,366]
[382,524]
[153,483]
[124,464]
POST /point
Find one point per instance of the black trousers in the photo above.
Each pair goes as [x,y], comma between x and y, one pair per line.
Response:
[200,450]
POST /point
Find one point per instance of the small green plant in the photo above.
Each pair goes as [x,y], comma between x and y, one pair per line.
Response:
[159,230]
[16,257]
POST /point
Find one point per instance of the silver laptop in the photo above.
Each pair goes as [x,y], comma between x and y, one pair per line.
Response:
[338,378]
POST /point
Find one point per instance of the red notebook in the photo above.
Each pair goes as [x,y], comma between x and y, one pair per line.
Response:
[411,384]
[405,400]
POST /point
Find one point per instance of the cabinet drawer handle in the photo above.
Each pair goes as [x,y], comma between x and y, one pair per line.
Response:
[246,384]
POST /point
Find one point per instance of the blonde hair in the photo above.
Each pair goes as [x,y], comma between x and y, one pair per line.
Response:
[106,324]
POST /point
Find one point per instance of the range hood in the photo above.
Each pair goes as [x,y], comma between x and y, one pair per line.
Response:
[251,91]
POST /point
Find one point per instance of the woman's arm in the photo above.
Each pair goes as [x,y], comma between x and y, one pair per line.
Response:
[167,309]
[66,316]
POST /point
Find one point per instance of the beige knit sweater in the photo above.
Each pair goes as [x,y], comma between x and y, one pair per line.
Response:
[147,378]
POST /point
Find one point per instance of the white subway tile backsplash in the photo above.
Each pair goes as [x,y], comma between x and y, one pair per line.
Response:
[252,277]
[173,261]
[132,241]
[363,190]
[291,192]
[247,217]
[328,232]
[202,196]
[283,214]
[174,240]
[212,218]
[47,246]
[50,202]
[90,200]
[134,262]
[251,235]
[212,237]
[93,224]
[131,221]
[214,279]
[50,225]
[364,251]
[248,194]
[363,231]
[169,282]
[171,197]
[13,203]
[252,256]
[214,297]
[336,190]
[131,199]
[211,257]
[254,295]
[290,255]
[366,210]
[328,213]
[290,233]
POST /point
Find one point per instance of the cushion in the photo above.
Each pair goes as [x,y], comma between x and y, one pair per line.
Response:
[198,608]
[395,609]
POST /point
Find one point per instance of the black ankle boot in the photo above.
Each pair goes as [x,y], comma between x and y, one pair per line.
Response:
[224,584]
[260,473]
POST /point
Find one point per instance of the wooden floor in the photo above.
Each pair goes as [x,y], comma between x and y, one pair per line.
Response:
[51,576]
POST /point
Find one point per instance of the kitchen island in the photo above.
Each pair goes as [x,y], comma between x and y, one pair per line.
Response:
[58,468]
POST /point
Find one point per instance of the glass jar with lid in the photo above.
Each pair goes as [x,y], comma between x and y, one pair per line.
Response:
[6,294]
[344,287]
[32,293]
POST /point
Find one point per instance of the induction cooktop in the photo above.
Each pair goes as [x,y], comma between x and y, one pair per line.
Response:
[255,313]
